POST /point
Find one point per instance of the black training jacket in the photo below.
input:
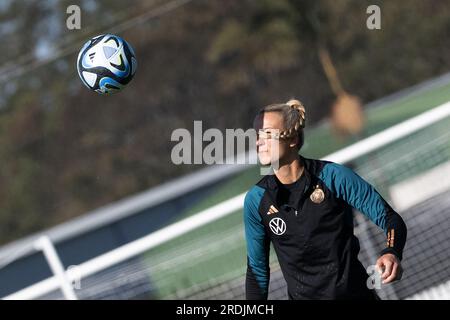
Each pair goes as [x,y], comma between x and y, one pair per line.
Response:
[314,241]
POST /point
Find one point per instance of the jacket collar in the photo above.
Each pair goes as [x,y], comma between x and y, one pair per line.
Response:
[272,183]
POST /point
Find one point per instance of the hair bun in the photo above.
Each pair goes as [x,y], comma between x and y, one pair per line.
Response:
[297,105]
[294,103]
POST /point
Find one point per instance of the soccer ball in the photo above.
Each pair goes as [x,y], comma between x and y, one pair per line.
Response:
[106,64]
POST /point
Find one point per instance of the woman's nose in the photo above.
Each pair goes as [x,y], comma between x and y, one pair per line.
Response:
[259,142]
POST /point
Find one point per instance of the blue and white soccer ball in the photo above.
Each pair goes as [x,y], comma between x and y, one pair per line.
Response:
[106,64]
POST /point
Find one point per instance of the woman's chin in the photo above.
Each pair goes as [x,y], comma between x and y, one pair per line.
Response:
[264,160]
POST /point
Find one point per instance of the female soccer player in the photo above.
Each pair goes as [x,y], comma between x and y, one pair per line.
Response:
[305,210]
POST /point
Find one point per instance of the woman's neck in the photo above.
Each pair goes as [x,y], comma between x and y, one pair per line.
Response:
[290,171]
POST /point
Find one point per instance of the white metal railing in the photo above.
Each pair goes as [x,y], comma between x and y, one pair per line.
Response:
[218,211]
[56,266]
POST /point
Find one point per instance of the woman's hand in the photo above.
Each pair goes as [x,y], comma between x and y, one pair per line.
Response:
[389,267]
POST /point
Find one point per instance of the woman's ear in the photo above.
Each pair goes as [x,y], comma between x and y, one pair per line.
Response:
[294,142]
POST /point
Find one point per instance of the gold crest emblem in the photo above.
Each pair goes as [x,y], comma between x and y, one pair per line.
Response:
[317,196]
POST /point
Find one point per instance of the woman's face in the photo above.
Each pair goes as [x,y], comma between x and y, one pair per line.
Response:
[270,148]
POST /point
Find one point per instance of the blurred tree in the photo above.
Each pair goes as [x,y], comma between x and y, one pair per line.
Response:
[275,39]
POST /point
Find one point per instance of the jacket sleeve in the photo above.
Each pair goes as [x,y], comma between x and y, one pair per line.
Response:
[258,245]
[350,187]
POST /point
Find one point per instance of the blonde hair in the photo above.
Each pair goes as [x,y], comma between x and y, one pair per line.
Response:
[293,113]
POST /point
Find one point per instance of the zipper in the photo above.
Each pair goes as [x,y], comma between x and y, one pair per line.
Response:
[302,197]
